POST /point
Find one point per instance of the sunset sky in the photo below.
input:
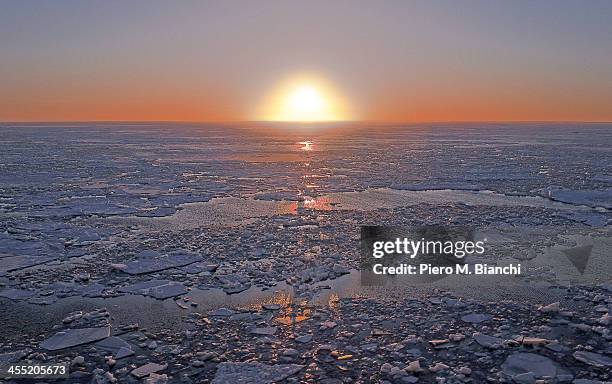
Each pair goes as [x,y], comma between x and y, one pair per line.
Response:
[382,60]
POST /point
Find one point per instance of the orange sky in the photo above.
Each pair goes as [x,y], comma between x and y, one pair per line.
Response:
[155,101]
[389,61]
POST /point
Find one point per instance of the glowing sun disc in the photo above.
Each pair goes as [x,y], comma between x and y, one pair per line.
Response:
[303,99]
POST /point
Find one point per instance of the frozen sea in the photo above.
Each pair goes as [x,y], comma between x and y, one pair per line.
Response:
[238,214]
[118,169]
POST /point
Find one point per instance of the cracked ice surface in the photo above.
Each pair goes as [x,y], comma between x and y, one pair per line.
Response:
[89,209]
[206,247]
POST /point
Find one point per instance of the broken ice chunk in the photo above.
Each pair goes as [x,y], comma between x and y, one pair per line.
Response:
[92,290]
[43,300]
[147,369]
[199,268]
[591,198]
[73,337]
[16,294]
[13,263]
[159,289]
[221,312]
[156,212]
[236,289]
[475,318]
[267,331]
[145,265]
[119,347]
[254,372]
[11,357]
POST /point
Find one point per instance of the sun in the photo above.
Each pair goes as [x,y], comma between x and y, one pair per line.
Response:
[304,99]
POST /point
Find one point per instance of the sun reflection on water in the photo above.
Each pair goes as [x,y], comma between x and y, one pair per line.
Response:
[306,145]
[333,301]
[293,316]
[320,203]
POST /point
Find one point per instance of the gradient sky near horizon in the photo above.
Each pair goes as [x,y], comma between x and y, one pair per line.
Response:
[390,60]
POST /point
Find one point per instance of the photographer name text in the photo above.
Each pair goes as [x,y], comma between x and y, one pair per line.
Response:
[457,269]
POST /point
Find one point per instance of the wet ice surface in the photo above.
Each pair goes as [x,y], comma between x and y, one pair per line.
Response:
[161,224]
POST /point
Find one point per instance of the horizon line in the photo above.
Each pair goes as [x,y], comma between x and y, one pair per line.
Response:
[300,122]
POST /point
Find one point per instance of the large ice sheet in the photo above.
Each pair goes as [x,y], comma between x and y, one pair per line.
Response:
[73,337]
[159,289]
[254,373]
